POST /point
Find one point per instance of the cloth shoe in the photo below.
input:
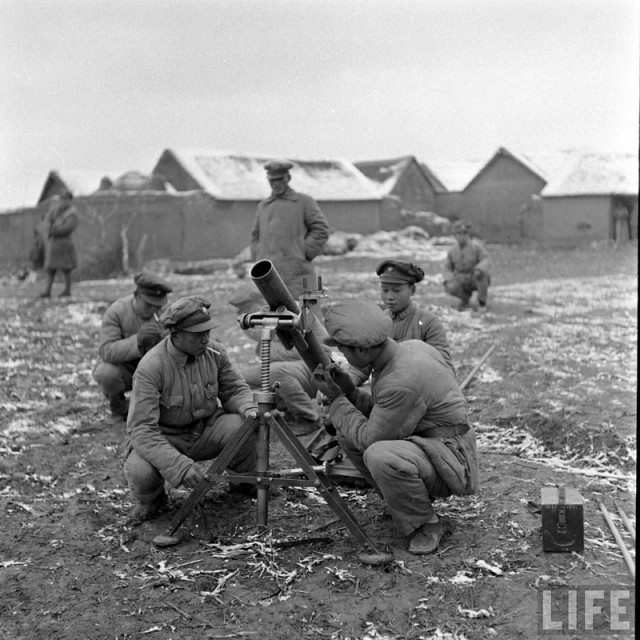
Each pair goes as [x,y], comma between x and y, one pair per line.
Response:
[426,539]
[143,511]
[462,305]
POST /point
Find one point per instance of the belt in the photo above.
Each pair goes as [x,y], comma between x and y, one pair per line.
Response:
[445,432]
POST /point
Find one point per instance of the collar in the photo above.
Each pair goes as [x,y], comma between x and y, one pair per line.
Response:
[289,194]
[180,357]
[404,313]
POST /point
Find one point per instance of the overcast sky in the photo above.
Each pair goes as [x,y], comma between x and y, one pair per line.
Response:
[107,85]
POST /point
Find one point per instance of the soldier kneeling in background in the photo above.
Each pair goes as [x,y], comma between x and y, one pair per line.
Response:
[130,327]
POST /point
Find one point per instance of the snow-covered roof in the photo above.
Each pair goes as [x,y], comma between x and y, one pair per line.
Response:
[456,175]
[385,173]
[595,173]
[234,176]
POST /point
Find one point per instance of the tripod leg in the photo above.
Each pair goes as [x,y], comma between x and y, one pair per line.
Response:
[219,464]
[327,488]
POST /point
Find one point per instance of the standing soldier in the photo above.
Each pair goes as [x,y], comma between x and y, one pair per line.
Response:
[130,327]
[467,267]
[410,437]
[188,402]
[289,229]
[58,225]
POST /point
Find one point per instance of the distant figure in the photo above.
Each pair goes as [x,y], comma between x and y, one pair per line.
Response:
[58,225]
[130,327]
[296,393]
[289,229]
[467,267]
[397,287]
[622,222]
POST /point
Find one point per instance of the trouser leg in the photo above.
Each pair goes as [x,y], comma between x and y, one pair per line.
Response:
[459,288]
[144,480]
[295,390]
[218,432]
[51,275]
[481,282]
[67,283]
[407,480]
[115,380]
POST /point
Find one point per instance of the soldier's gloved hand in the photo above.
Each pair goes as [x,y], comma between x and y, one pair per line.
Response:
[323,382]
[342,379]
[477,274]
[148,337]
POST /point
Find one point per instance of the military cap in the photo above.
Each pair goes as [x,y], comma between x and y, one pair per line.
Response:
[152,287]
[397,272]
[277,168]
[461,226]
[190,314]
[354,323]
[247,294]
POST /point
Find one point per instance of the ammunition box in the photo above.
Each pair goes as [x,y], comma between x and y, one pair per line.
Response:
[562,519]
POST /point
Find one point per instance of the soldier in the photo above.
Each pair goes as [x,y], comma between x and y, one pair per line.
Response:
[296,394]
[467,267]
[397,286]
[188,402]
[410,437]
[289,229]
[130,327]
[58,226]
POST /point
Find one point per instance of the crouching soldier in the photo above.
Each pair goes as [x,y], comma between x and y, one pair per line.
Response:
[188,401]
[130,327]
[410,436]
[466,268]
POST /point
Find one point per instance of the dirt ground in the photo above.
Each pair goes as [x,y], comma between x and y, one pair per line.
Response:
[554,404]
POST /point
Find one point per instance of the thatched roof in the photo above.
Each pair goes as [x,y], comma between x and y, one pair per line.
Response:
[235,176]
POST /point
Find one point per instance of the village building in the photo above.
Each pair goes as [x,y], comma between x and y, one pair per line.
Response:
[495,198]
[197,205]
[415,186]
[454,176]
[237,182]
[578,204]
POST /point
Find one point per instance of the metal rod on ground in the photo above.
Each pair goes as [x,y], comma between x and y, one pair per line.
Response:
[619,541]
[627,523]
[475,370]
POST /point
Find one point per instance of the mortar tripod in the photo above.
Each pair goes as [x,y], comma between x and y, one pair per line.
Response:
[267,418]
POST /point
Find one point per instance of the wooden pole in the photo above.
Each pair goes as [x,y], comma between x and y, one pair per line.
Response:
[627,523]
[619,541]
[475,370]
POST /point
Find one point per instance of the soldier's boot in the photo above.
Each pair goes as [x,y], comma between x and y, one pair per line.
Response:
[146,510]
[119,406]
[426,539]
